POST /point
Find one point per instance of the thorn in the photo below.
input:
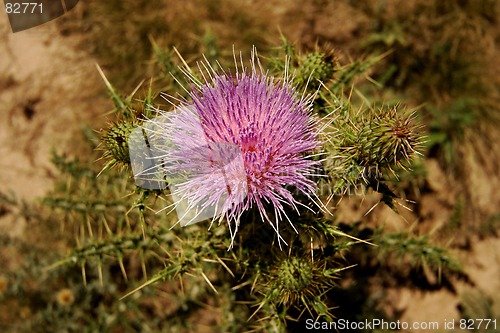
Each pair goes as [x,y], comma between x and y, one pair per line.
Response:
[147,283]
[182,59]
[209,283]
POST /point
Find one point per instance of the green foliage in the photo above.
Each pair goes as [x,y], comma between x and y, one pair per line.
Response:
[448,124]
[419,249]
[490,226]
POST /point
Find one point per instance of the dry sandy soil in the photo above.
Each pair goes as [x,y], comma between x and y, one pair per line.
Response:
[49,88]
[48,91]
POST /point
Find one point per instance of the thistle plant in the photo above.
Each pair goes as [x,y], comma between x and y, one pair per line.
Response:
[249,149]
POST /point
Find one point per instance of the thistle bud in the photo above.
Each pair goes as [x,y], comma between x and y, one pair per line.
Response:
[387,139]
[295,279]
[315,67]
[367,145]
[298,281]
[294,275]
[115,141]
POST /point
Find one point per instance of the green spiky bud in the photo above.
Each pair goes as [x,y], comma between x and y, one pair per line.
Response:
[296,278]
[295,275]
[290,279]
[387,139]
[115,141]
[316,67]
[297,281]
[368,144]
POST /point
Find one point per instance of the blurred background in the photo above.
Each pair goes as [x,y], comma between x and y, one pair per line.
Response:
[439,56]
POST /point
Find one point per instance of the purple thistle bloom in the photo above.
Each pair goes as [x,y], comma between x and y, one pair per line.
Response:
[239,142]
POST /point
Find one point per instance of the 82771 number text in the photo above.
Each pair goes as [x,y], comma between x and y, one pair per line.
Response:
[24,8]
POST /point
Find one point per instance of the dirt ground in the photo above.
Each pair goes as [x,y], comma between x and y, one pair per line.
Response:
[48,91]
[50,88]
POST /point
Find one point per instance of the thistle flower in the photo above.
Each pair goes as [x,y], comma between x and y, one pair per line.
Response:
[239,142]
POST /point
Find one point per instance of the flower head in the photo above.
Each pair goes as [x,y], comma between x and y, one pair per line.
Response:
[241,140]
